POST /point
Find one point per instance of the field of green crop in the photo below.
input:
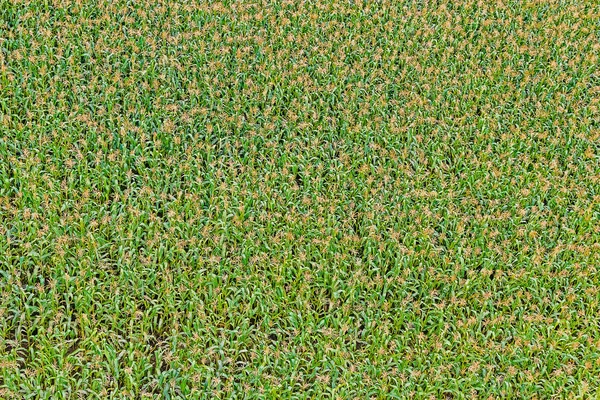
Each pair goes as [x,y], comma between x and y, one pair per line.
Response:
[328,199]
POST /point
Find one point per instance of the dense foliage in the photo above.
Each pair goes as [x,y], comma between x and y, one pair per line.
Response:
[299,199]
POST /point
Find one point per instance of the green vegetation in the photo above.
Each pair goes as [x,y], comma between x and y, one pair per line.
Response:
[319,199]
